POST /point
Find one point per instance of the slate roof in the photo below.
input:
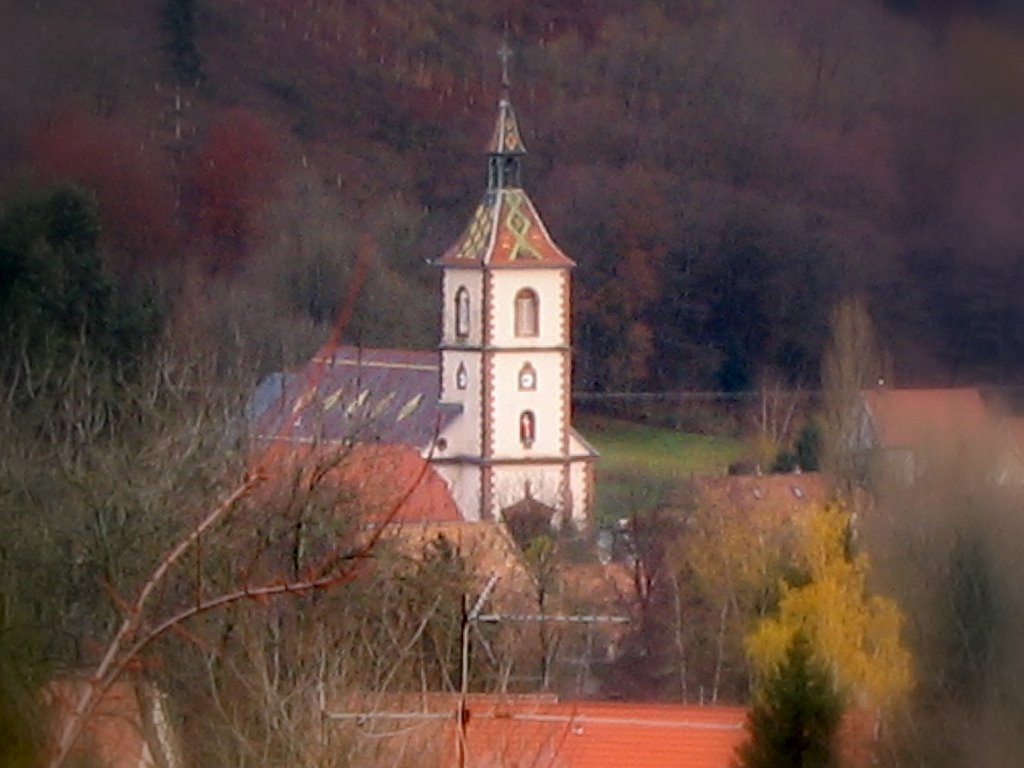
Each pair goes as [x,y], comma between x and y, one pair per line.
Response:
[505,231]
[913,418]
[353,394]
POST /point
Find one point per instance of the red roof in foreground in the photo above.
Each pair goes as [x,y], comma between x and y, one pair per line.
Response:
[539,731]
[542,732]
[603,734]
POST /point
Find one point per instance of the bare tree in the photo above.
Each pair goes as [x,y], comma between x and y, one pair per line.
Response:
[267,684]
[853,361]
[238,549]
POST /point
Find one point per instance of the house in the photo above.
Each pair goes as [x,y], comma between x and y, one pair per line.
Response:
[898,432]
[771,498]
[490,410]
[758,514]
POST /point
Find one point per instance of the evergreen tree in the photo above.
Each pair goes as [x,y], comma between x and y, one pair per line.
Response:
[809,446]
[796,714]
[70,334]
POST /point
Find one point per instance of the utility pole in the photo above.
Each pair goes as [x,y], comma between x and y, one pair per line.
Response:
[468,619]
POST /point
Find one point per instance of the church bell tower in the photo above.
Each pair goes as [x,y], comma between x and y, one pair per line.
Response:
[506,359]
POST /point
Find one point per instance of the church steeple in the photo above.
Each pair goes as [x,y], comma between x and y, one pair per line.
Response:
[506,230]
[506,352]
[506,149]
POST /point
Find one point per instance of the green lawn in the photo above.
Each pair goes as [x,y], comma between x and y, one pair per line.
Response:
[640,465]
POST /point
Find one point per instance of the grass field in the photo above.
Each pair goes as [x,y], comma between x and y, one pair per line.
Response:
[640,465]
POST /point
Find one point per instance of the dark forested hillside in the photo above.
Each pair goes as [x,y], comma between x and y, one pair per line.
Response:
[721,171]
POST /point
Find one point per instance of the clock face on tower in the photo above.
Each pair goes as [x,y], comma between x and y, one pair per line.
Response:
[527,377]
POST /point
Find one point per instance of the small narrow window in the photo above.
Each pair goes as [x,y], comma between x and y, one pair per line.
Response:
[461,377]
[527,428]
[526,313]
[527,378]
[462,313]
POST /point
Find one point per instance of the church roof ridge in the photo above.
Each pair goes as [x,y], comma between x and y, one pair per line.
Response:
[352,354]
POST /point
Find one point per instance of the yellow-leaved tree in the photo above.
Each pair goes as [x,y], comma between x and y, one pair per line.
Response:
[854,634]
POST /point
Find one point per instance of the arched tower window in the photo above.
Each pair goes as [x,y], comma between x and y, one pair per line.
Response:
[462,312]
[527,428]
[527,321]
[461,377]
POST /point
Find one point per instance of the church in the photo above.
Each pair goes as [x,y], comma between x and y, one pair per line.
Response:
[490,410]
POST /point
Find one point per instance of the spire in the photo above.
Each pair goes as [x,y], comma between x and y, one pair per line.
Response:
[506,230]
[506,145]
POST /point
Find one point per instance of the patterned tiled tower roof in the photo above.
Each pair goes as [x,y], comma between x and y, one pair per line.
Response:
[506,139]
[506,230]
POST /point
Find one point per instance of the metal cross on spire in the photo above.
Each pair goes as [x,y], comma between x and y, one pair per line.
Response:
[505,54]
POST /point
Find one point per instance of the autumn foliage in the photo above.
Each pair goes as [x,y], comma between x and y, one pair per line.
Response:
[114,161]
[234,179]
[855,635]
[720,187]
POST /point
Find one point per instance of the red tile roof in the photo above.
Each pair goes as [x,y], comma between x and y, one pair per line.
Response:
[394,482]
[539,731]
[542,732]
[603,734]
[909,418]
[385,483]
[780,496]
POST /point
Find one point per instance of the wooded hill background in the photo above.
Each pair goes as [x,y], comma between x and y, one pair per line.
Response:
[722,170]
